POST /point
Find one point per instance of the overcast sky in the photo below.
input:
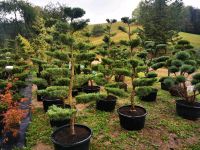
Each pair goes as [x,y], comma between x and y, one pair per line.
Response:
[99,10]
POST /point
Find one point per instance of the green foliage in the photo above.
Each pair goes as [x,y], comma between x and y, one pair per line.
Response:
[100,80]
[182,55]
[86,56]
[151,75]
[180,79]
[38,61]
[22,76]
[141,68]
[158,65]
[144,81]
[107,61]
[41,83]
[97,30]
[187,69]
[142,55]
[61,82]
[134,63]
[144,91]
[86,98]
[82,79]
[183,42]
[173,69]
[57,71]
[117,92]
[58,113]
[177,63]
[121,71]
[169,82]
[196,78]
[191,62]
[54,92]
[197,87]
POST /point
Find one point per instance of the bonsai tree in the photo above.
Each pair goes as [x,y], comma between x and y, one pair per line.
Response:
[132,43]
[132,117]
[183,45]
[108,32]
[187,107]
[69,40]
[144,88]
[181,64]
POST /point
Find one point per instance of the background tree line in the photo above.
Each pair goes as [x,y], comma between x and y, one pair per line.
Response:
[170,13]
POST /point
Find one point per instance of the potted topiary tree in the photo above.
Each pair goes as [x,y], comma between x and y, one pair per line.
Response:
[72,136]
[132,117]
[187,88]
[144,89]
[181,64]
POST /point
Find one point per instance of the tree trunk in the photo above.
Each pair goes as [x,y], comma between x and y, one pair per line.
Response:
[70,98]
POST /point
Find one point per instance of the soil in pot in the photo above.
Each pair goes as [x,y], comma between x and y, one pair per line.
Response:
[63,140]
[150,97]
[91,89]
[47,102]
[187,110]
[132,120]
[107,104]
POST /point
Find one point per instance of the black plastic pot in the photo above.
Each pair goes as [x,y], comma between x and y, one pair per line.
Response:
[107,104]
[151,97]
[164,87]
[47,102]
[39,98]
[91,89]
[188,110]
[80,145]
[132,122]
[11,139]
[59,123]
[74,92]
[1,124]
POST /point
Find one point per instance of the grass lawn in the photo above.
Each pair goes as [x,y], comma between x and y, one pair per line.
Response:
[193,38]
[163,128]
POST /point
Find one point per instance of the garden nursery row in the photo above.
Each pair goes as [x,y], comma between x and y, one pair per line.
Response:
[59,91]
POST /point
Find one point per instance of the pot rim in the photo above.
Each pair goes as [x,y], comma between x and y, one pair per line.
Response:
[118,111]
[178,101]
[70,145]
